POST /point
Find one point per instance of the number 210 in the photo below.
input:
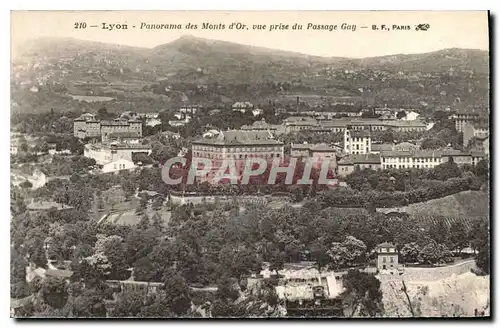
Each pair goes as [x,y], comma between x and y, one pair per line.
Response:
[80,25]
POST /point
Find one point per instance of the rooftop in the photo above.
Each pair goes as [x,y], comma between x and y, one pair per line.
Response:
[360,159]
[323,147]
[46,205]
[237,137]
[122,135]
[381,147]
[386,244]
[361,133]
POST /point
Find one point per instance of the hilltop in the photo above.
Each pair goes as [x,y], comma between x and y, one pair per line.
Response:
[212,71]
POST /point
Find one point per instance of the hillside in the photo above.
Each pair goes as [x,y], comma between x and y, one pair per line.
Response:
[466,204]
[200,70]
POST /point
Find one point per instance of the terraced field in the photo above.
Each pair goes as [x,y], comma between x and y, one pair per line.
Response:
[465,204]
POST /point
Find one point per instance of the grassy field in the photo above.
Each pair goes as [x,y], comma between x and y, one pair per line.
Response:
[91,98]
[469,204]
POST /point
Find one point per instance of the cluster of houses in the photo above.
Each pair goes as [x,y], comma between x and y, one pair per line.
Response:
[357,151]
[113,142]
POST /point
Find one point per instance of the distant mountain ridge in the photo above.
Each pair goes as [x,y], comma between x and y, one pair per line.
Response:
[192,69]
[474,59]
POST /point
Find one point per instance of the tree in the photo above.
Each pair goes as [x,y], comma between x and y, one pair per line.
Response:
[227,289]
[401,114]
[156,307]
[36,252]
[176,292]
[444,254]
[128,304]
[429,254]
[481,169]
[481,241]
[26,185]
[338,254]
[410,252]
[433,143]
[347,253]
[113,249]
[458,236]
[90,303]
[157,222]
[157,203]
[362,294]
[113,196]
[54,291]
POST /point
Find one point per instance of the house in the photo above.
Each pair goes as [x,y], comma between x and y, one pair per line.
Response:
[323,151]
[299,123]
[357,142]
[242,106]
[472,130]
[349,163]
[105,153]
[464,116]
[87,126]
[387,257]
[14,147]
[300,150]
[411,116]
[257,112]
[46,206]
[236,145]
[211,133]
[118,165]
[153,122]
[171,135]
[262,125]
[405,146]
[377,148]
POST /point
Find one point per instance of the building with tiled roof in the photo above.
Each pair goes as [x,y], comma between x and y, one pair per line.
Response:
[351,162]
[387,257]
[105,153]
[236,145]
[427,159]
[87,126]
[377,148]
[357,141]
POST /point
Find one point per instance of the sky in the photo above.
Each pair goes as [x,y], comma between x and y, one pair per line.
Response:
[447,29]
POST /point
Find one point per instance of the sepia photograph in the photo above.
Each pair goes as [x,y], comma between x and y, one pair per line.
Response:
[250,164]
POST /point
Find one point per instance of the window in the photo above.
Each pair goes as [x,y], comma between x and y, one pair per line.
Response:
[114,166]
[384,260]
[392,260]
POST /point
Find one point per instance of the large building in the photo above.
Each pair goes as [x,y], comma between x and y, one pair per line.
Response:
[462,117]
[105,153]
[237,145]
[339,125]
[357,141]
[427,159]
[314,150]
[478,129]
[351,162]
[262,125]
[87,126]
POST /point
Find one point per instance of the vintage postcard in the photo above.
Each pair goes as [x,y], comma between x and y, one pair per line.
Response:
[205,164]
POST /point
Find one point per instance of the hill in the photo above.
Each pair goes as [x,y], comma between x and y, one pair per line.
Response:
[465,204]
[200,70]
